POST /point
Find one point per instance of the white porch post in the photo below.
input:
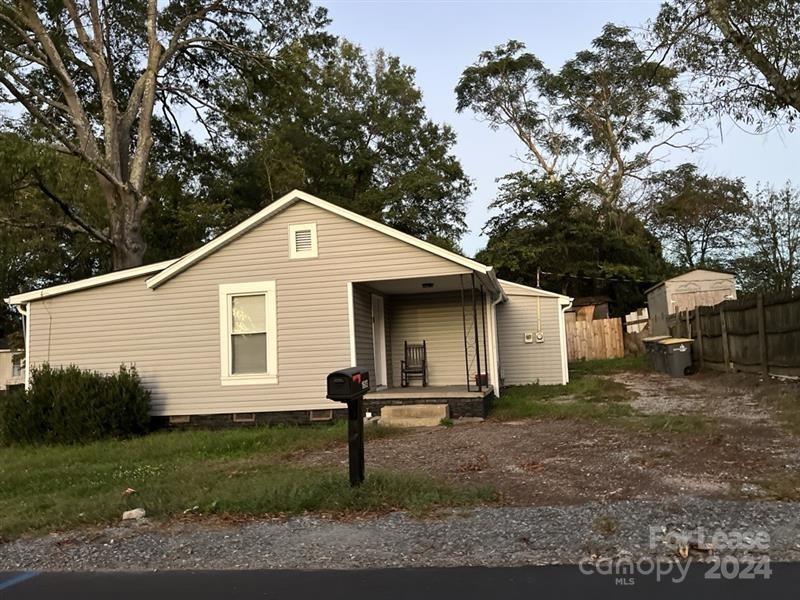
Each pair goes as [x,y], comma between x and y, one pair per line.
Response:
[351,323]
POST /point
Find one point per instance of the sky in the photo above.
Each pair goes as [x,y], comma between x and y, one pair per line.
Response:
[439,38]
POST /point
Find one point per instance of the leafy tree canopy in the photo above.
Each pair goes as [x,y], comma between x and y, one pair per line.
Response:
[91,75]
[699,217]
[607,113]
[582,248]
[770,261]
[744,55]
[354,131]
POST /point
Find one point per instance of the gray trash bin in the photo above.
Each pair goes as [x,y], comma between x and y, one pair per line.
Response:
[677,356]
[654,354]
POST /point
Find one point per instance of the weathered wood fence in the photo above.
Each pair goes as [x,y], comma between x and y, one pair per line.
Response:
[595,339]
[757,334]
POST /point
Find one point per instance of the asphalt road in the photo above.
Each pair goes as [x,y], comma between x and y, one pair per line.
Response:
[561,582]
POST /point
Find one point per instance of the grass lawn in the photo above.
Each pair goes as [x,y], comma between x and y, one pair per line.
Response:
[590,396]
[244,471]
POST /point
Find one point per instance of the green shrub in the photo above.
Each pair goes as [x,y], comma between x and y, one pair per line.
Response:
[68,406]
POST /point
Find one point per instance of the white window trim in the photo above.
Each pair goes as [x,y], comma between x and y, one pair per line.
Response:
[293,253]
[226,291]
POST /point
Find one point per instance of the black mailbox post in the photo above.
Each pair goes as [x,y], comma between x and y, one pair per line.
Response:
[349,386]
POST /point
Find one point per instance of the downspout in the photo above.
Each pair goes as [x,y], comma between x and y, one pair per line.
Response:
[562,327]
[26,328]
[495,364]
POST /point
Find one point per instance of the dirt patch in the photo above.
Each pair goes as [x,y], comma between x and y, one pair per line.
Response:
[552,462]
[709,396]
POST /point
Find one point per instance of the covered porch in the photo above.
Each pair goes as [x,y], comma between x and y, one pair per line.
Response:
[453,314]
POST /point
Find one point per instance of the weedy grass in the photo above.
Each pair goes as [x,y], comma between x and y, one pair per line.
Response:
[591,396]
[783,486]
[688,424]
[608,366]
[237,471]
[586,396]
[784,399]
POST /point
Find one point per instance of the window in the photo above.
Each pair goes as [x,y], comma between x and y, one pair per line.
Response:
[248,333]
[303,240]
[17,366]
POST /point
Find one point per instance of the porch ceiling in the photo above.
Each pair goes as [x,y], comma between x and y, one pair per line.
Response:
[420,285]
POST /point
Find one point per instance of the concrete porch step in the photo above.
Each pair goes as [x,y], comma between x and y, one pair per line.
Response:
[414,415]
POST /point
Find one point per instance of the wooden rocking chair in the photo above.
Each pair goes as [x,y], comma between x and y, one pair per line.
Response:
[415,363]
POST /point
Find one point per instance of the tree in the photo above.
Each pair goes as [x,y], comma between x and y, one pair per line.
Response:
[91,75]
[580,247]
[606,114]
[38,245]
[699,217]
[744,55]
[771,261]
[353,130]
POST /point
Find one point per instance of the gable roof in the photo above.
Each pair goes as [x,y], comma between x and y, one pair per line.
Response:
[518,289]
[684,274]
[89,282]
[295,196]
[163,271]
[590,300]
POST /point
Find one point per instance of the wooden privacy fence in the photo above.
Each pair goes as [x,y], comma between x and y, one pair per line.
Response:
[757,334]
[595,339]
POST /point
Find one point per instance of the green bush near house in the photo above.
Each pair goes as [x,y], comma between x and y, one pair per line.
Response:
[73,406]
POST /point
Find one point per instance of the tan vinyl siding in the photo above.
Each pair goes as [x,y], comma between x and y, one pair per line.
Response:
[5,367]
[172,333]
[362,308]
[437,319]
[522,363]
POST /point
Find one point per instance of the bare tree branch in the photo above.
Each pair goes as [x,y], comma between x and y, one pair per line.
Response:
[70,214]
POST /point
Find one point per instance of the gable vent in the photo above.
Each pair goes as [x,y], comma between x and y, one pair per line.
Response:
[303,240]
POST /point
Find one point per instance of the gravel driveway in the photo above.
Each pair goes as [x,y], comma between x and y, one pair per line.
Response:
[483,536]
[545,462]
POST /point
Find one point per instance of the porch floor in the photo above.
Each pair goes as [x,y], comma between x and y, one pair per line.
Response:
[429,392]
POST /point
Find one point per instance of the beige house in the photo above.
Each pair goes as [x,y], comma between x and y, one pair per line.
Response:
[248,326]
[12,368]
[699,287]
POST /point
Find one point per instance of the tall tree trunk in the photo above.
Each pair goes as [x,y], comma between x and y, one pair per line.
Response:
[125,227]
